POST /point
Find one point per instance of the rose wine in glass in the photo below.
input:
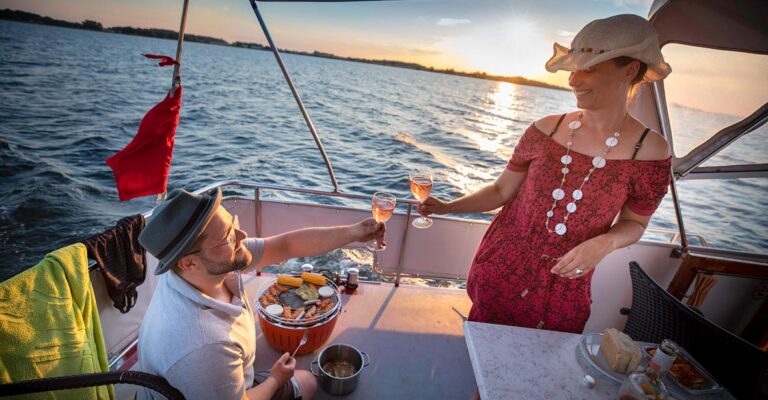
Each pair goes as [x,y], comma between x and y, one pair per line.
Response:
[421,186]
[382,207]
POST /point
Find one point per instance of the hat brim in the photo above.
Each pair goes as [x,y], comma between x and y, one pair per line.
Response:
[213,202]
[564,60]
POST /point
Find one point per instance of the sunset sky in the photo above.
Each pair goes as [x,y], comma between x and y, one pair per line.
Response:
[501,37]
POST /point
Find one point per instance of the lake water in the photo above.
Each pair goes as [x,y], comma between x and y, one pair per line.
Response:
[72,98]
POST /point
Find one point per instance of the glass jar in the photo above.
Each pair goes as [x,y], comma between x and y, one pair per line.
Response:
[646,384]
[642,385]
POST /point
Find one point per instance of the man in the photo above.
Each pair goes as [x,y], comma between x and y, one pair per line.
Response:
[199,331]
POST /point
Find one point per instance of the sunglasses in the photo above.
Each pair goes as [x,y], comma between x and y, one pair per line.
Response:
[230,240]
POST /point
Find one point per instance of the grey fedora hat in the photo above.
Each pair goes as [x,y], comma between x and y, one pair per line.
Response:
[176,224]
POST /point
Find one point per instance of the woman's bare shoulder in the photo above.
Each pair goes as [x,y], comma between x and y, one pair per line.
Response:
[654,147]
[547,123]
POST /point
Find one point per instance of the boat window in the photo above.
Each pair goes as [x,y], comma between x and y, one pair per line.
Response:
[709,90]
[748,149]
[727,214]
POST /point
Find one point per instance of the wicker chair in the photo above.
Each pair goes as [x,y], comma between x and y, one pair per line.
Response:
[154,382]
[655,315]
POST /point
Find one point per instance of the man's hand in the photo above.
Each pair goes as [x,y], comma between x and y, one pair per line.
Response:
[368,229]
[283,369]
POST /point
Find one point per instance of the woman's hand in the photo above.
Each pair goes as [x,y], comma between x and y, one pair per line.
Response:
[433,205]
[283,369]
[582,258]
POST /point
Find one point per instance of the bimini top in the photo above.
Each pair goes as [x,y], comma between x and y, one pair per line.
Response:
[725,25]
[314,1]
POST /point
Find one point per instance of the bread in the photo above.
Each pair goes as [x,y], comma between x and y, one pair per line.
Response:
[621,352]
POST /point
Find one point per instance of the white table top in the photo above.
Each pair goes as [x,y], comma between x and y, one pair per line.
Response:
[522,363]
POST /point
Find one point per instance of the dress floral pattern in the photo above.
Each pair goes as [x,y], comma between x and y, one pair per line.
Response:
[510,281]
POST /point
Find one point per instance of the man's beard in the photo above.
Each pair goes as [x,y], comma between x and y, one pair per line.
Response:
[241,261]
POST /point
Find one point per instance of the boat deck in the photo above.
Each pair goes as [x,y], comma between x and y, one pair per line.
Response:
[414,338]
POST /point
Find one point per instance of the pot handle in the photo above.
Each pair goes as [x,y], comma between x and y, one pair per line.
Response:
[312,369]
[366,359]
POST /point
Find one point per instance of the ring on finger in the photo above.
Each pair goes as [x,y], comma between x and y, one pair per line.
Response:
[579,271]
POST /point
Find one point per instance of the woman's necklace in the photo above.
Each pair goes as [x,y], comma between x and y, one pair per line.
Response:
[597,163]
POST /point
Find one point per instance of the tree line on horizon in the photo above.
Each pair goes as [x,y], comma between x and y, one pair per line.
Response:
[28,17]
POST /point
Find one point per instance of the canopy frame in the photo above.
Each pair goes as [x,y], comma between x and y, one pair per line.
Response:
[687,22]
[296,96]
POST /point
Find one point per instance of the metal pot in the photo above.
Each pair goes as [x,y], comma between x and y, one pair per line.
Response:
[339,352]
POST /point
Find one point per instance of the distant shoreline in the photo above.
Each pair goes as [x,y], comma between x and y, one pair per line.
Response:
[32,18]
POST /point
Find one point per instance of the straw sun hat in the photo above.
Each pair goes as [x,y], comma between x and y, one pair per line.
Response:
[604,39]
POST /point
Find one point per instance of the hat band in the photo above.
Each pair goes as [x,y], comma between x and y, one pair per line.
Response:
[587,50]
[182,233]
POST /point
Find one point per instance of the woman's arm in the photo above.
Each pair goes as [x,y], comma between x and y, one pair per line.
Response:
[488,198]
[628,229]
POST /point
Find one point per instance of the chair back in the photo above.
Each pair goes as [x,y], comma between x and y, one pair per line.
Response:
[655,315]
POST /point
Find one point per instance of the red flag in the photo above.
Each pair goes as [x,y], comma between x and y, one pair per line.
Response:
[142,167]
[164,60]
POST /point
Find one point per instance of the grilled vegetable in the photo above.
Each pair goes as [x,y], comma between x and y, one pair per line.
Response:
[289,280]
[307,293]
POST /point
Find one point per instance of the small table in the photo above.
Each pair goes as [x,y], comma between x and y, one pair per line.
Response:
[521,363]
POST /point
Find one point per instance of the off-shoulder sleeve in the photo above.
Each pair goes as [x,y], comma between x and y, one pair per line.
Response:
[649,186]
[525,150]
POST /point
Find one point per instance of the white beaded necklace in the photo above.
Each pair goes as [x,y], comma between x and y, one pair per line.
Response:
[597,163]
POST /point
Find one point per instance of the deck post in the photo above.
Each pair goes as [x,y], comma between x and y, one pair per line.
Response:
[401,256]
[679,215]
[257,215]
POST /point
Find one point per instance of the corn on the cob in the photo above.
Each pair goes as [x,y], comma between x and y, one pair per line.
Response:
[315,279]
[289,280]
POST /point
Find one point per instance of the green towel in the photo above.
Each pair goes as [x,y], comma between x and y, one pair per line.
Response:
[49,325]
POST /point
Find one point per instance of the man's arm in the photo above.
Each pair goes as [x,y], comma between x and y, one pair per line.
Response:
[281,372]
[264,390]
[214,371]
[316,241]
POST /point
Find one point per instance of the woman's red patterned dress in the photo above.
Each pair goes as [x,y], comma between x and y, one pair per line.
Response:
[510,281]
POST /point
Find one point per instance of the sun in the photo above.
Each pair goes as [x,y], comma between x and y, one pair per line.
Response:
[514,47]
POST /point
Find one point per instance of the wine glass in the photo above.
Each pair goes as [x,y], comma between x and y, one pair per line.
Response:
[421,185]
[382,207]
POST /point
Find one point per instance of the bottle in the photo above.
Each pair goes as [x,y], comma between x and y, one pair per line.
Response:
[664,357]
[352,279]
[646,384]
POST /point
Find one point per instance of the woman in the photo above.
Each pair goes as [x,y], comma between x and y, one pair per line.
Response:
[568,179]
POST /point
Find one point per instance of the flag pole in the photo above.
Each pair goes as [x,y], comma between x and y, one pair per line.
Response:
[176,81]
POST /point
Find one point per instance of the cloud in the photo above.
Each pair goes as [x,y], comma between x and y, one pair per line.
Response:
[425,52]
[452,21]
[566,33]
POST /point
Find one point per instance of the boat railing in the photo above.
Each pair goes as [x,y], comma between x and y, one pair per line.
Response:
[674,236]
[397,272]
[667,236]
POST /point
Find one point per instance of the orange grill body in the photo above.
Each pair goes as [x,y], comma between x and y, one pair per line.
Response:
[286,339]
